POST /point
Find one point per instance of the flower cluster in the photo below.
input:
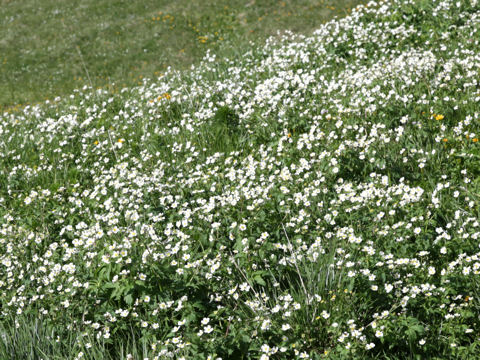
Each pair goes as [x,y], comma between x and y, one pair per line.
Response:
[317,197]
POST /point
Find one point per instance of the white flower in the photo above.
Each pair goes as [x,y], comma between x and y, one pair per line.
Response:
[265,325]
[285,327]
[207,329]
[244,287]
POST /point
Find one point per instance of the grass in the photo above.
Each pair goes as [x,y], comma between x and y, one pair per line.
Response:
[48,48]
[315,197]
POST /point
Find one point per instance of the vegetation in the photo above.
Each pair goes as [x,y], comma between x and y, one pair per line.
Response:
[316,197]
[48,48]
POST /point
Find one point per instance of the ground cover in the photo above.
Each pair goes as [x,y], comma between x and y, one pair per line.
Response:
[316,197]
[48,47]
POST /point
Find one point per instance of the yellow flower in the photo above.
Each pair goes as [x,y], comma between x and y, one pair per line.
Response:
[439,117]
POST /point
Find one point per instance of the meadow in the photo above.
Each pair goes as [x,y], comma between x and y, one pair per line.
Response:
[315,197]
[48,48]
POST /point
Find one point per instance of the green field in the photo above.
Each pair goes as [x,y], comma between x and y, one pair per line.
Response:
[50,47]
[310,196]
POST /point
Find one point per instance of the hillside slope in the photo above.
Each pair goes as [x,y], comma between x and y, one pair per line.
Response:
[49,47]
[317,197]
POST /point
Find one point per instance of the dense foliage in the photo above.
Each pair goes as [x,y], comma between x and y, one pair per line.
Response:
[315,198]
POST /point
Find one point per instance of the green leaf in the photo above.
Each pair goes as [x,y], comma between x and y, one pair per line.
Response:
[246,339]
[128,299]
[259,280]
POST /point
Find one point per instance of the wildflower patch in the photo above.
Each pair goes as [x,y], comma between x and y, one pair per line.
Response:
[315,198]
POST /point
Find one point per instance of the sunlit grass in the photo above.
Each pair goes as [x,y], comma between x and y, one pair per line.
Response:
[313,197]
[48,48]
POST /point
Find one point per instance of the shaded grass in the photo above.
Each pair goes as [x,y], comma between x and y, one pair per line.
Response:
[48,48]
